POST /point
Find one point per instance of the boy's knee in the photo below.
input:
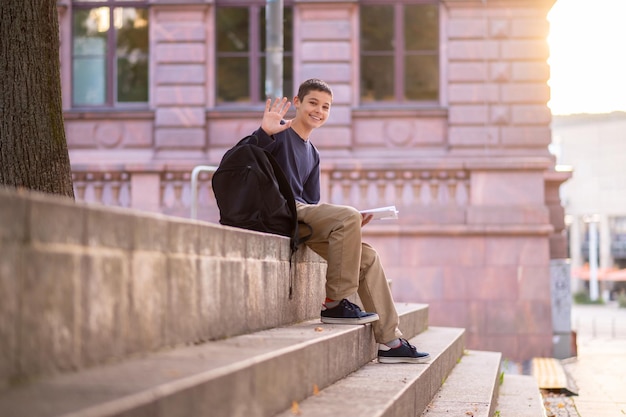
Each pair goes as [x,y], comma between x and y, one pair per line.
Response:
[368,254]
[346,214]
[353,217]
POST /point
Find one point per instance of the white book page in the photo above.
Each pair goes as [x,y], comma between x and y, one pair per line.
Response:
[382,213]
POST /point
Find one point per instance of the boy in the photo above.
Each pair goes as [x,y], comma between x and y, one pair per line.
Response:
[352,265]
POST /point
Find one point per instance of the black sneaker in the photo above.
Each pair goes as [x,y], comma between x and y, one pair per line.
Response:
[347,313]
[405,353]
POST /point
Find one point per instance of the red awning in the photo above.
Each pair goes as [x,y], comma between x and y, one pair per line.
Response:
[604,274]
[618,275]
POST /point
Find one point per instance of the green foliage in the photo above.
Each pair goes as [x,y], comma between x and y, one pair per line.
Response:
[583,298]
[621,300]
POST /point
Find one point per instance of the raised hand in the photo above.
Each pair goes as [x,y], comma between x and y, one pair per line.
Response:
[273,116]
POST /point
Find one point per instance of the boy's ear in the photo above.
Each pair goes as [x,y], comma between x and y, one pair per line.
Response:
[296,100]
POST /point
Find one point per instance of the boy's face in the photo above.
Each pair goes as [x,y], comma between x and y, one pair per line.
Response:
[314,109]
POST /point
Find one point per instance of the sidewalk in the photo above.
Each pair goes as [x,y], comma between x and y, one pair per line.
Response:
[599,370]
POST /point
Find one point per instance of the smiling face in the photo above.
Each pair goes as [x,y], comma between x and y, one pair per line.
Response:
[313,109]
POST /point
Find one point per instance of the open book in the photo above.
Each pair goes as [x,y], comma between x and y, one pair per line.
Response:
[382,213]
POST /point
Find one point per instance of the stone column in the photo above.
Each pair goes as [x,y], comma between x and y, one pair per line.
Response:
[560,270]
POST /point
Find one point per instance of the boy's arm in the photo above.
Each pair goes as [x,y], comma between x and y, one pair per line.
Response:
[311,186]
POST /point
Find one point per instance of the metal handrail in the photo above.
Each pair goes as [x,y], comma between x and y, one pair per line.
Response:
[194,186]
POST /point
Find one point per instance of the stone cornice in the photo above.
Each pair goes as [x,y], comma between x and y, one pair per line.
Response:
[499,3]
[180,2]
[466,163]
[121,114]
[324,1]
[458,230]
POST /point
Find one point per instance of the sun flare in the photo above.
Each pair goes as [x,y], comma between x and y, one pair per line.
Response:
[587,56]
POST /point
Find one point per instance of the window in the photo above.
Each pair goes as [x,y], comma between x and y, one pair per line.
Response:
[240,52]
[109,53]
[618,239]
[399,51]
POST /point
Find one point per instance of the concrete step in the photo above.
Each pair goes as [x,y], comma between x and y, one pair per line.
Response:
[389,389]
[520,397]
[258,374]
[471,389]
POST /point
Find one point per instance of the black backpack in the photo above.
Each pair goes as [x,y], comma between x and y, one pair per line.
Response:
[253,193]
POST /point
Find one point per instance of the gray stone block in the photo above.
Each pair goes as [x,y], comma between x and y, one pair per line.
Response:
[210,308]
[471,388]
[50,314]
[105,327]
[151,233]
[147,302]
[106,227]
[183,237]
[211,240]
[235,244]
[182,323]
[560,289]
[10,283]
[231,321]
[13,216]
[562,346]
[54,222]
[520,397]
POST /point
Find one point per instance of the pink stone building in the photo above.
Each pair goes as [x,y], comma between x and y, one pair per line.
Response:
[440,107]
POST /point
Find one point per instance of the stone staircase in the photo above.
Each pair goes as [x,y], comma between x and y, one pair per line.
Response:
[233,344]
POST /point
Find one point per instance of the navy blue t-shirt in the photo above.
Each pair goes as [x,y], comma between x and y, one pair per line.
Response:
[299,160]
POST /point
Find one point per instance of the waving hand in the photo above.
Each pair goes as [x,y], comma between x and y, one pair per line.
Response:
[273,116]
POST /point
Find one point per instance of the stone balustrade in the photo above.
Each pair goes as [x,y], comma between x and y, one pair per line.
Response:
[403,187]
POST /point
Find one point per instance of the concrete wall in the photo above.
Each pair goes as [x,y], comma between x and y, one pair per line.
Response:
[82,285]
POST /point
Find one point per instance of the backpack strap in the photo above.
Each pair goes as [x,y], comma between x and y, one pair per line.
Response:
[294,240]
[302,239]
[285,188]
[248,140]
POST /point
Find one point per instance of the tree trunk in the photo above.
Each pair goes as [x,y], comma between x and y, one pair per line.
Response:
[33,148]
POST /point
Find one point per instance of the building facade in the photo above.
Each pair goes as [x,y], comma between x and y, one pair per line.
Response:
[594,145]
[440,107]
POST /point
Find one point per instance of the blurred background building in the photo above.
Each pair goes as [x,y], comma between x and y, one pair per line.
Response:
[594,147]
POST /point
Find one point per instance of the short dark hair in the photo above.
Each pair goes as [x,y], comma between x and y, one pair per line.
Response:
[313,84]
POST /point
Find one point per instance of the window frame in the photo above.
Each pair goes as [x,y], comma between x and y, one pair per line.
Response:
[254,54]
[400,54]
[110,80]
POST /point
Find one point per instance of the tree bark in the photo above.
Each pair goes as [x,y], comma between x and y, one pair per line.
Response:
[33,147]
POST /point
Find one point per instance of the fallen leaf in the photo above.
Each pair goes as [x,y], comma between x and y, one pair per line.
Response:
[316,389]
[319,329]
[295,408]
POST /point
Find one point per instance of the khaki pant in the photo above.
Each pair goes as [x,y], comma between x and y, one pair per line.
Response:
[353,266]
